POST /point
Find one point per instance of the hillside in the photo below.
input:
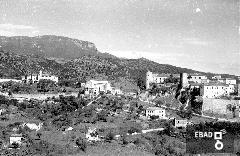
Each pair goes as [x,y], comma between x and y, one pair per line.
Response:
[14,65]
[71,58]
[49,46]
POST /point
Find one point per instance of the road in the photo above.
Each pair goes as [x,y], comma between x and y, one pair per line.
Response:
[143,131]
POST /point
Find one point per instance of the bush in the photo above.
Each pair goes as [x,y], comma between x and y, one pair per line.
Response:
[82,144]
[133,130]
[110,136]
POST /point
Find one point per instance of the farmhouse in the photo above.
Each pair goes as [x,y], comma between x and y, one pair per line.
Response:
[95,87]
[15,138]
[116,91]
[156,111]
[180,123]
[34,78]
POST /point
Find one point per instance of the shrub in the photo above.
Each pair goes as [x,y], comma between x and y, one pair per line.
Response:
[110,136]
[82,144]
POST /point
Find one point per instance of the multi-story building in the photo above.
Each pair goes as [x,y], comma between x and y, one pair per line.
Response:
[34,78]
[231,81]
[156,111]
[192,79]
[157,78]
[213,90]
[95,87]
[198,78]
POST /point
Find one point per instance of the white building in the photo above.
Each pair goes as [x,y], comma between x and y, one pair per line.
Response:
[116,91]
[156,111]
[215,90]
[180,123]
[193,79]
[157,78]
[198,78]
[231,81]
[217,77]
[36,77]
[95,87]
[15,138]
[227,80]
[92,135]
[7,80]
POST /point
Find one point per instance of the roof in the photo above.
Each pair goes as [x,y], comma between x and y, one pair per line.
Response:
[197,74]
[163,75]
[176,75]
[194,83]
[154,108]
[230,79]
[215,84]
[16,135]
[95,81]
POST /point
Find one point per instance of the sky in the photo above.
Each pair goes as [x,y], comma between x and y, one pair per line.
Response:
[198,34]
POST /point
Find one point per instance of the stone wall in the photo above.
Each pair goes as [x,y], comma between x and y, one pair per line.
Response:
[218,106]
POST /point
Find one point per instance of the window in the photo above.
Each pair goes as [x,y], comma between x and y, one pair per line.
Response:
[199,77]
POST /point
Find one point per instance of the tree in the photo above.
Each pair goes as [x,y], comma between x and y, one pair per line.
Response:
[171,79]
[82,145]
[45,85]
[110,136]
[232,108]
[169,129]
[141,84]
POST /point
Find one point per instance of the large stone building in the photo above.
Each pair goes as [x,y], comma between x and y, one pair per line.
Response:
[157,78]
[95,87]
[186,79]
[34,78]
[214,90]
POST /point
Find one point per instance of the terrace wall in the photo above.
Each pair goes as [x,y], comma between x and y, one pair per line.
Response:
[219,106]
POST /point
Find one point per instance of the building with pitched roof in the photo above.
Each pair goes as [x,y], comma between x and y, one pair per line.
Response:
[156,111]
[34,78]
[213,90]
[198,78]
[157,78]
[95,87]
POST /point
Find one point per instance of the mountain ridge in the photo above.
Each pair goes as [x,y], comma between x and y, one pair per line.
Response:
[54,54]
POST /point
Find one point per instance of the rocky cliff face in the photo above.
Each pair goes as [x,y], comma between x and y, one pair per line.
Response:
[48,46]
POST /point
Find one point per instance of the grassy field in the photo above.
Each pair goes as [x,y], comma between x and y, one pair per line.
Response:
[113,149]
